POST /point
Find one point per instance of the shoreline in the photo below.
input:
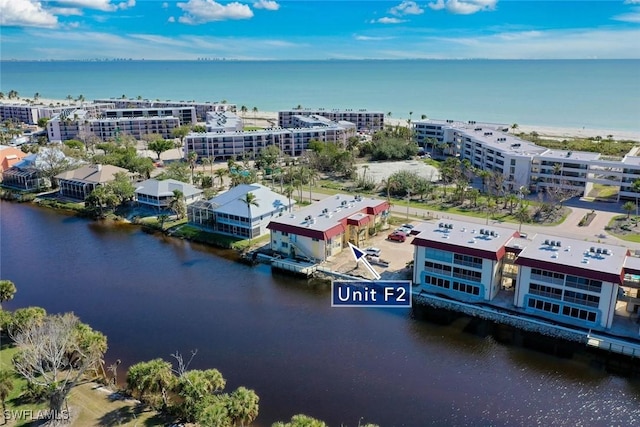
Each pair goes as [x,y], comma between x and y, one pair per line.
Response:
[263,119]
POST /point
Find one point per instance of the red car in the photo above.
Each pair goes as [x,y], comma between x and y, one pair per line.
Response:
[398,236]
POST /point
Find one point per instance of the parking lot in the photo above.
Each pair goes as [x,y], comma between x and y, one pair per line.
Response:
[396,253]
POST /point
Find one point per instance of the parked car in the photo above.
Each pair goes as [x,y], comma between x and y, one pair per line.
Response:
[372,251]
[409,226]
[404,230]
[397,236]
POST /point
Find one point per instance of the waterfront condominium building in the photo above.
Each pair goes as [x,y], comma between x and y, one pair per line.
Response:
[323,229]
[234,144]
[77,124]
[566,281]
[364,121]
[187,115]
[521,163]
[20,113]
[461,260]
[201,108]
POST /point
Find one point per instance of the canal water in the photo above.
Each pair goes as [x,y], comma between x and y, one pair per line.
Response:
[153,296]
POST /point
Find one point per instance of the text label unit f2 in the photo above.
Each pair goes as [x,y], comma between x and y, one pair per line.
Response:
[379,293]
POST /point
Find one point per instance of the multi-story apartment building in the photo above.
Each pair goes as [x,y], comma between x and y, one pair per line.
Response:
[524,164]
[224,122]
[77,124]
[187,115]
[322,230]
[21,113]
[365,121]
[202,108]
[566,281]
[292,142]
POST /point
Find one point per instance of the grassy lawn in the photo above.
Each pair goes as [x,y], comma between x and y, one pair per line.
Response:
[624,228]
[89,404]
[603,191]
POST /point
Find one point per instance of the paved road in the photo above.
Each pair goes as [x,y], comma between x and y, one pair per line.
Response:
[594,232]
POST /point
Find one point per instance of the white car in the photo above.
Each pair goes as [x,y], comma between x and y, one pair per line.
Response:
[372,251]
[405,230]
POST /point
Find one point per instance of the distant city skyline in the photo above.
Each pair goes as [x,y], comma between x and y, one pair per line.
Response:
[306,29]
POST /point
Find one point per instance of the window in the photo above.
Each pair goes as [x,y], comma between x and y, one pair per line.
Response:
[468,289]
[467,260]
[545,291]
[285,234]
[546,306]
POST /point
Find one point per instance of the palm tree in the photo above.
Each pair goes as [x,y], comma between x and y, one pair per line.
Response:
[628,208]
[288,191]
[162,218]
[243,406]
[250,199]
[220,174]
[177,204]
[255,113]
[6,386]
[192,158]
[243,110]
[7,290]
[36,96]
[206,161]
[514,126]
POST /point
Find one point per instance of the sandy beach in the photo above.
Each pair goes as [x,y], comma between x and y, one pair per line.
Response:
[265,118]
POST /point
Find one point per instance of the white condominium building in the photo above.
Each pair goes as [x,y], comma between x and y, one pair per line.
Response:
[202,108]
[187,115]
[78,124]
[234,144]
[369,121]
[489,147]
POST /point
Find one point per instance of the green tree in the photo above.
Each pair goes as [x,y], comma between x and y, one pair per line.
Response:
[194,387]
[177,204]
[56,354]
[220,174]
[181,133]
[243,406]
[176,170]
[250,199]
[6,386]
[628,207]
[159,146]
[152,380]
[301,420]
[7,291]
[192,159]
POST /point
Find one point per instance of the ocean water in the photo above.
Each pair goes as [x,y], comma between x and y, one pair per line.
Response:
[600,94]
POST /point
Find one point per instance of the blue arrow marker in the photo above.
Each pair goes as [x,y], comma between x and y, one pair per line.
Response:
[357,252]
[359,255]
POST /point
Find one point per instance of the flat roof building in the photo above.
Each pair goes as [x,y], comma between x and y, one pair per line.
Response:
[566,281]
[323,229]
[369,121]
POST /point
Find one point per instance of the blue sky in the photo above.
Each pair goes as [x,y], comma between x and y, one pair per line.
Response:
[306,29]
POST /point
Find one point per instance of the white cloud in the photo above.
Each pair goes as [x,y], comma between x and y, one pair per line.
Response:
[388,20]
[171,19]
[371,38]
[464,7]
[266,4]
[406,8]
[126,4]
[25,13]
[552,44]
[631,1]
[203,11]
[65,11]
[633,17]
[103,5]
[165,5]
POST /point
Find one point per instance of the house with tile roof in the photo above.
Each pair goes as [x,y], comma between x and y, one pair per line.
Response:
[79,183]
[228,214]
[9,156]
